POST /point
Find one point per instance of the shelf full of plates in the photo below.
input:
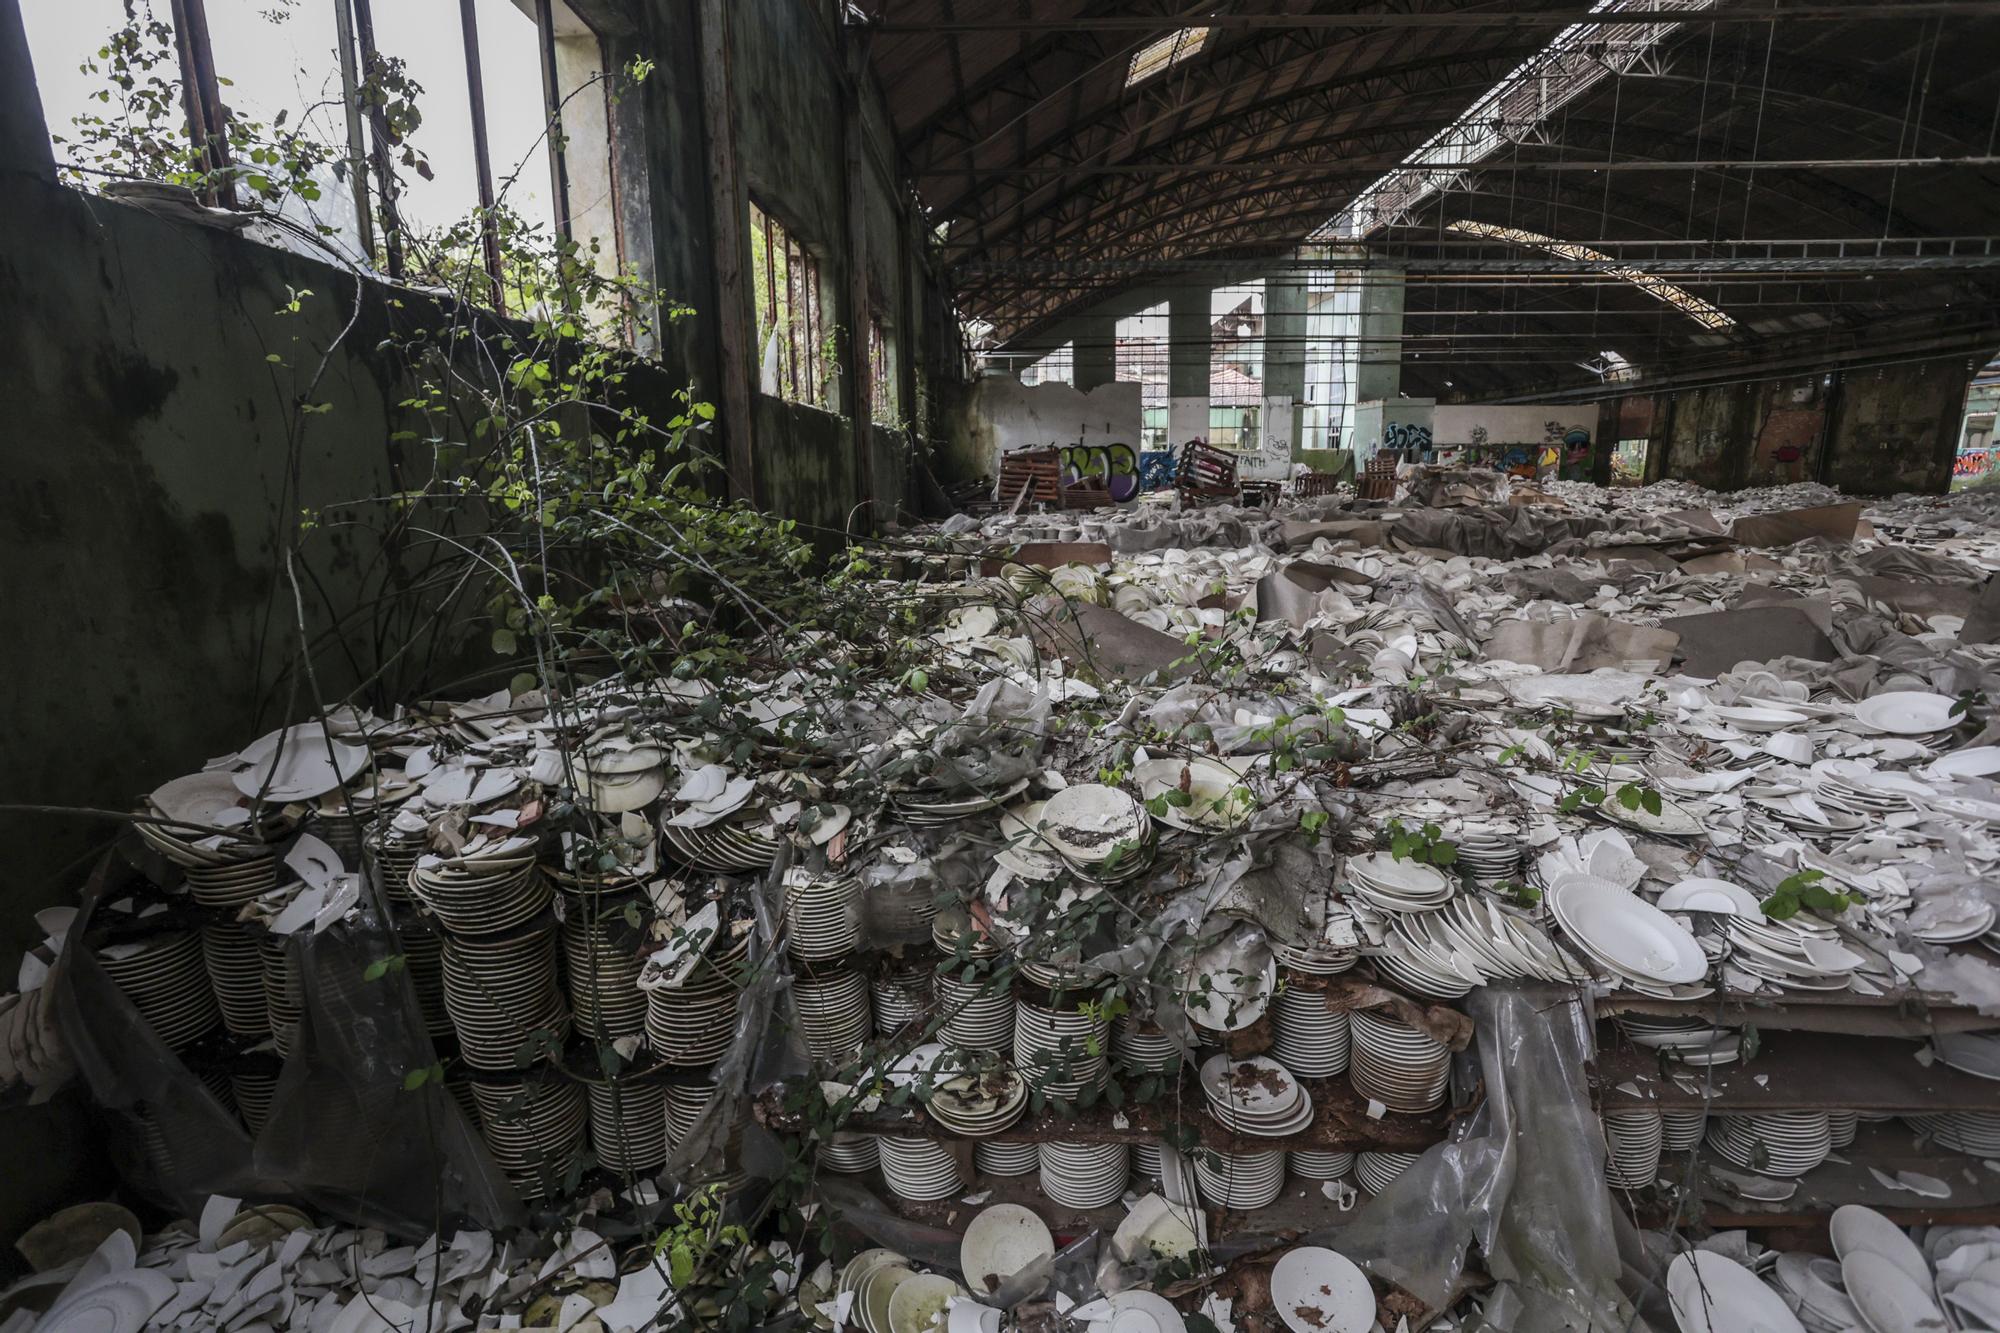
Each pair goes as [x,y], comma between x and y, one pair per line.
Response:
[1801,1071]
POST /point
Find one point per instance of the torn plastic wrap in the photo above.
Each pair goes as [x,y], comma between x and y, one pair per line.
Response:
[342,1133]
[1524,1181]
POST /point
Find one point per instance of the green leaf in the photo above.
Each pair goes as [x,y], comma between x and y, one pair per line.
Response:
[680,1264]
[503,642]
[416,1078]
[1651,800]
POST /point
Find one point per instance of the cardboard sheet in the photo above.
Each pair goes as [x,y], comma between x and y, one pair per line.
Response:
[1834,522]
[1099,640]
[1583,643]
[1712,644]
[1050,555]
[1292,593]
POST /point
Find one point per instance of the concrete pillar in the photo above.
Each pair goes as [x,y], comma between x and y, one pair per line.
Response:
[1096,349]
[1378,372]
[24,136]
[1188,354]
[1285,351]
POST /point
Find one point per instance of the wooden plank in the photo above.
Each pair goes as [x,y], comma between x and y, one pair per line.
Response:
[1801,1071]
[1341,1123]
[729,225]
[1904,1014]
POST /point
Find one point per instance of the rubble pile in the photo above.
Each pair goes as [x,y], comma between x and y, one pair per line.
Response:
[1154,898]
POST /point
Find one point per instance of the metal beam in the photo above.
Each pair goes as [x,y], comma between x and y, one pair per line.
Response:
[1903,11]
[729,224]
[1267,166]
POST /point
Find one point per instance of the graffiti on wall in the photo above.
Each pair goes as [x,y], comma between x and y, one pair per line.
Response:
[1157,469]
[1971,463]
[1116,465]
[1412,437]
[1570,446]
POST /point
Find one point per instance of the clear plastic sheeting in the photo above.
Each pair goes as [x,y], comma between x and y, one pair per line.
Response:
[344,1134]
[1523,1181]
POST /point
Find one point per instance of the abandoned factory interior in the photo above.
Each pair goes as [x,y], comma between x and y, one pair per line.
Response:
[1000,666]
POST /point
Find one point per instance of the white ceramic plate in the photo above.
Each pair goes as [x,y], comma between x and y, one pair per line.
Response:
[1317,1290]
[1711,1294]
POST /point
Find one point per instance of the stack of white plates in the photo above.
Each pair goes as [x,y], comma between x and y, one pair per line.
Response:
[481,896]
[1382,881]
[694,1022]
[1257,1097]
[284,995]
[1629,938]
[685,1103]
[849,1153]
[1228,985]
[733,847]
[1054,1049]
[502,995]
[1321,1165]
[975,1106]
[1842,1125]
[1375,1171]
[628,1124]
[535,1127]
[1473,937]
[978,1014]
[1777,1143]
[236,971]
[833,1013]
[1800,953]
[166,982]
[1681,1130]
[958,937]
[918,1169]
[1240,1180]
[1853,787]
[1006,1159]
[423,962]
[601,967]
[1336,951]
[1143,1048]
[1409,960]
[900,996]
[1310,1039]
[822,914]
[900,911]
[253,1090]
[927,808]
[1973,1132]
[1632,1141]
[234,883]
[1395,1064]
[1028,854]
[1812,1286]
[392,851]
[1218,797]
[1084,1175]
[1146,1158]
[1677,1036]
[1710,1293]
[1100,831]
[1489,851]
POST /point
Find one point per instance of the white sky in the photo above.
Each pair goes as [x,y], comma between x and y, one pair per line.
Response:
[291,63]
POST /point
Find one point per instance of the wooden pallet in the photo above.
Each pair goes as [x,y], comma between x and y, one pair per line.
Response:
[1036,470]
[1205,473]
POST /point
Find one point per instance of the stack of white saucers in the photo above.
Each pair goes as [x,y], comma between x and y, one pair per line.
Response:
[694,1022]
[1383,882]
[1489,850]
[849,1153]
[1257,1097]
[732,847]
[958,937]
[628,1124]
[1811,1285]
[284,994]
[1141,1048]
[918,1169]
[938,807]
[1854,787]
[234,883]
[483,894]
[833,1013]
[1681,1130]
[1006,1159]
[1776,1143]
[1084,1175]
[232,867]
[253,1090]
[1632,1141]
[1146,1158]
[978,1014]
[1321,1165]
[1240,1180]
[423,962]
[900,995]
[1395,1064]
[900,911]
[535,1128]
[601,965]
[1336,951]
[1053,1049]
[1028,854]
[1800,953]
[1633,941]
[1375,1171]
[1310,1039]
[1843,1125]
[975,1106]
[1973,1132]
[236,971]
[501,994]
[822,914]
[1100,831]
[392,847]
[1415,968]
[165,980]
[685,1103]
